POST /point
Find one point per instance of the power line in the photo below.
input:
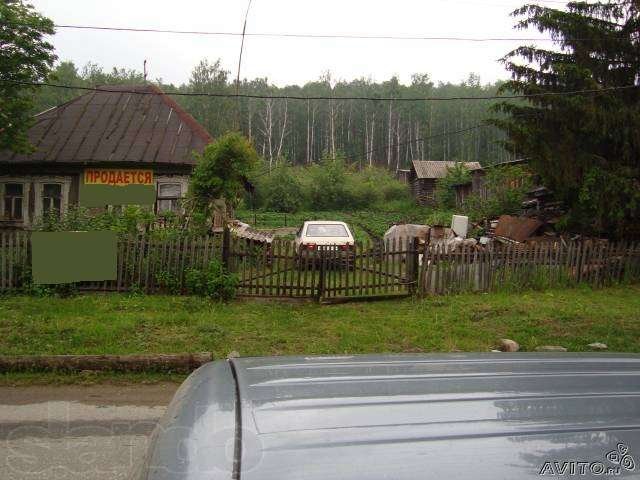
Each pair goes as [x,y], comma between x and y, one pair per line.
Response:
[308,35]
[332,98]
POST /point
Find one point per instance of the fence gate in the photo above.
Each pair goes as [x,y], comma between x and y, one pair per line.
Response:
[325,273]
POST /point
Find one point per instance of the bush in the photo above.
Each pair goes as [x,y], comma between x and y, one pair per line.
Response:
[281,191]
[360,195]
[168,282]
[327,184]
[506,190]
[213,282]
[439,217]
[385,186]
[445,193]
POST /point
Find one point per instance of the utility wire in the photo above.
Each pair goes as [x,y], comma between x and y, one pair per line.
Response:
[309,35]
[332,98]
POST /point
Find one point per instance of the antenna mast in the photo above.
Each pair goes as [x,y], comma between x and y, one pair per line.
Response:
[244,29]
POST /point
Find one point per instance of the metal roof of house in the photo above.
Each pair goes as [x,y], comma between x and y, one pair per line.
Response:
[135,124]
[438,169]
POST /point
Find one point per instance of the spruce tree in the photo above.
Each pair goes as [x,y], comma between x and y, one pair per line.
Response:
[586,147]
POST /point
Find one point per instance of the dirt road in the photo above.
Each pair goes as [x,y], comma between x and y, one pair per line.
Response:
[77,432]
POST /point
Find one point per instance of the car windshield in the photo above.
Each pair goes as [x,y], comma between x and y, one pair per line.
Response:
[331,230]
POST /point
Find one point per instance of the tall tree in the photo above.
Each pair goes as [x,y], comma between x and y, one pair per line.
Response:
[586,147]
[25,57]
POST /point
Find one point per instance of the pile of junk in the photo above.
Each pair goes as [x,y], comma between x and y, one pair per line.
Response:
[493,233]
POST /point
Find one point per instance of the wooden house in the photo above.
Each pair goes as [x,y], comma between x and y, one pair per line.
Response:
[137,132]
[424,175]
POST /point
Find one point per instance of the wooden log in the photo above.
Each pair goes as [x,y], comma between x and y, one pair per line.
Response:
[183,363]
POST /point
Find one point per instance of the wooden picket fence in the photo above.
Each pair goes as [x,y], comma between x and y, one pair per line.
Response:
[145,263]
[370,269]
[326,273]
[518,266]
[15,259]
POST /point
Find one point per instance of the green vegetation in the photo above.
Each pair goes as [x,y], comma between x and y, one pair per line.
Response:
[583,146]
[220,174]
[506,190]
[330,185]
[213,282]
[280,191]
[120,324]
[126,220]
[26,58]
[366,224]
[445,193]
[370,200]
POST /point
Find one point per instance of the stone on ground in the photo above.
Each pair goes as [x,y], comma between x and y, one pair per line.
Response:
[508,345]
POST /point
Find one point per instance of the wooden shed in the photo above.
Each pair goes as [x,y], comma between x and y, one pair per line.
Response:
[424,175]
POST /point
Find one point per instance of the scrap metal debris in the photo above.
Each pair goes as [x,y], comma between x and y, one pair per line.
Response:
[518,229]
[244,230]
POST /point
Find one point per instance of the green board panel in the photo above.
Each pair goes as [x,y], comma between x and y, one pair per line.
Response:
[101,195]
[66,257]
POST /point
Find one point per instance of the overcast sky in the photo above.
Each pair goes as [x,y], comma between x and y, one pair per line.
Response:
[286,60]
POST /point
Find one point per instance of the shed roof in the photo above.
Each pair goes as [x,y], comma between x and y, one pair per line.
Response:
[439,169]
[134,124]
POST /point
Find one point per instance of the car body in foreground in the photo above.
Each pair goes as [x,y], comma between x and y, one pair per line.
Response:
[449,416]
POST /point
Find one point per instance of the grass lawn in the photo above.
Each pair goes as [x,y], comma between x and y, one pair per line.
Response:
[97,324]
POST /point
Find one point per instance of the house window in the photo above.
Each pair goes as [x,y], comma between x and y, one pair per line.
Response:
[51,198]
[169,195]
[13,201]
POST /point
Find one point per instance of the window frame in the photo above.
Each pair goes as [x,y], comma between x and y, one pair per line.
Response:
[40,182]
[24,201]
[26,190]
[168,180]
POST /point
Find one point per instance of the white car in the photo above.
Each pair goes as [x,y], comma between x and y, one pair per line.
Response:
[316,234]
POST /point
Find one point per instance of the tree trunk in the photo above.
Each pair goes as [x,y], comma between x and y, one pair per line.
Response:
[389,138]
[283,130]
[308,157]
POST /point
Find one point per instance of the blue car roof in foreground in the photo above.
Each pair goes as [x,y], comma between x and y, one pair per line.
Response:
[467,416]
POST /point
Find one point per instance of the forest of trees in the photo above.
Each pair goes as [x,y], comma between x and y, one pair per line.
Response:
[381,133]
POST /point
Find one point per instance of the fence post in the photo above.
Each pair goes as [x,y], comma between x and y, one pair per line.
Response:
[321,279]
[226,244]
[413,264]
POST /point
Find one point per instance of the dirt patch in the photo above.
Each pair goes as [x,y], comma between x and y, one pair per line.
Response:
[159,394]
